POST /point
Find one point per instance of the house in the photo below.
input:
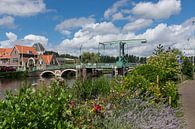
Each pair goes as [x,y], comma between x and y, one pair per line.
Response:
[47,60]
[23,56]
[27,57]
[39,48]
[5,56]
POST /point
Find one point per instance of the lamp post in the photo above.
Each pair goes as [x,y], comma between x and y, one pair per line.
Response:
[193,22]
[80,52]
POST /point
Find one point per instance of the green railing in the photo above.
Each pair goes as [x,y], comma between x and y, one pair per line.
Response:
[88,65]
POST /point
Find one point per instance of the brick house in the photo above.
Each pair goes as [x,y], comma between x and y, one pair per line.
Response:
[23,57]
[27,58]
[5,56]
[47,60]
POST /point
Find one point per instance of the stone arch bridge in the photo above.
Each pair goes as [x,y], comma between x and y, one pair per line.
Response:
[70,72]
[59,73]
[77,71]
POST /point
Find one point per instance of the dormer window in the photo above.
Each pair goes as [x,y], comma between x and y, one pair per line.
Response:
[30,52]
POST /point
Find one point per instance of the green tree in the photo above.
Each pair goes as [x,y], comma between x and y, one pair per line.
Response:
[87,57]
[159,49]
[187,68]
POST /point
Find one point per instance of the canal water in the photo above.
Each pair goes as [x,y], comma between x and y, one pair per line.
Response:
[14,84]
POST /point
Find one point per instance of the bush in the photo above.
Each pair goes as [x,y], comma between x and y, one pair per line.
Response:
[91,89]
[170,93]
[168,64]
[187,68]
[157,78]
[137,85]
[48,107]
[149,72]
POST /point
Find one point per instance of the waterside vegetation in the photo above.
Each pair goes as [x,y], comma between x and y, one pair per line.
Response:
[146,98]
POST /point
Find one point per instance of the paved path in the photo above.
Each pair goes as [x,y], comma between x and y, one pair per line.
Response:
[187,91]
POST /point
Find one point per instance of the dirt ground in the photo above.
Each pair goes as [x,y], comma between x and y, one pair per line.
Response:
[187,91]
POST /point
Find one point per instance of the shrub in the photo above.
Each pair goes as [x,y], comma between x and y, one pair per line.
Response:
[136,85]
[187,68]
[162,73]
[91,89]
[170,93]
[149,72]
[167,63]
[47,107]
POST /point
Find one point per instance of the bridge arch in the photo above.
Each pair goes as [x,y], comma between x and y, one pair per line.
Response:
[69,73]
[47,73]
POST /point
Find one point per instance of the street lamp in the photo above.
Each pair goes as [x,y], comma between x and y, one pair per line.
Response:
[80,51]
[193,22]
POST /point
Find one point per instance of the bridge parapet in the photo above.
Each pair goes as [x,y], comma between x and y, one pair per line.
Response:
[82,70]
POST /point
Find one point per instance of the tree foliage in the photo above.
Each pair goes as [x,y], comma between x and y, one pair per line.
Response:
[187,68]
[168,63]
[87,57]
[159,49]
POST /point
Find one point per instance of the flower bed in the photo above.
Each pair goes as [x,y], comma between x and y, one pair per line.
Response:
[146,98]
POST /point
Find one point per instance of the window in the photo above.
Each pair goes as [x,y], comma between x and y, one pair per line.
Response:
[15,60]
[30,52]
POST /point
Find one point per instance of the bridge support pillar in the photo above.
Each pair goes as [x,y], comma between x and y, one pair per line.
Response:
[78,71]
[116,71]
[84,73]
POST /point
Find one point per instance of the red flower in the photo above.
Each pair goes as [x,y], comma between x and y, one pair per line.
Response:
[97,108]
[71,104]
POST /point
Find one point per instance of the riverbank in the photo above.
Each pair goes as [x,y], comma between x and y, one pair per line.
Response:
[146,98]
[89,103]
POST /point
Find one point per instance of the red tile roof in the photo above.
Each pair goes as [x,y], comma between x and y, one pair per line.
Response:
[5,52]
[26,49]
[47,59]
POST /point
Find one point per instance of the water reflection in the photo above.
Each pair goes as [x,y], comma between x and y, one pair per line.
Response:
[14,84]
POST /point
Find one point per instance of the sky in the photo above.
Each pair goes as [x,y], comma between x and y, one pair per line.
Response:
[72,26]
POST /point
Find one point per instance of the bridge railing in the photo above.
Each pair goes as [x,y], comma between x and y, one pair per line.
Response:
[88,65]
[104,65]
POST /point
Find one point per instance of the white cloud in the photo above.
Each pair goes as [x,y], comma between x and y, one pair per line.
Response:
[89,36]
[115,12]
[101,28]
[21,7]
[10,41]
[169,35]
[6,44]
[28,40]
[11,36]
[36,38]
[7,21]
[66,26]
[117,16]
[137,24]
[161,10]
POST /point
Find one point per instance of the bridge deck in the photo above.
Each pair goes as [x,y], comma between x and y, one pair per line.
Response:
[90,65]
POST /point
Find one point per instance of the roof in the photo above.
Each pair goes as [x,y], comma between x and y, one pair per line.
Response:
[38,47]
[47,59]
[26,50]
[5,52]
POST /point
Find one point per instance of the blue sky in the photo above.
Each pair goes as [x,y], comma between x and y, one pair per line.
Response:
[65,25]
